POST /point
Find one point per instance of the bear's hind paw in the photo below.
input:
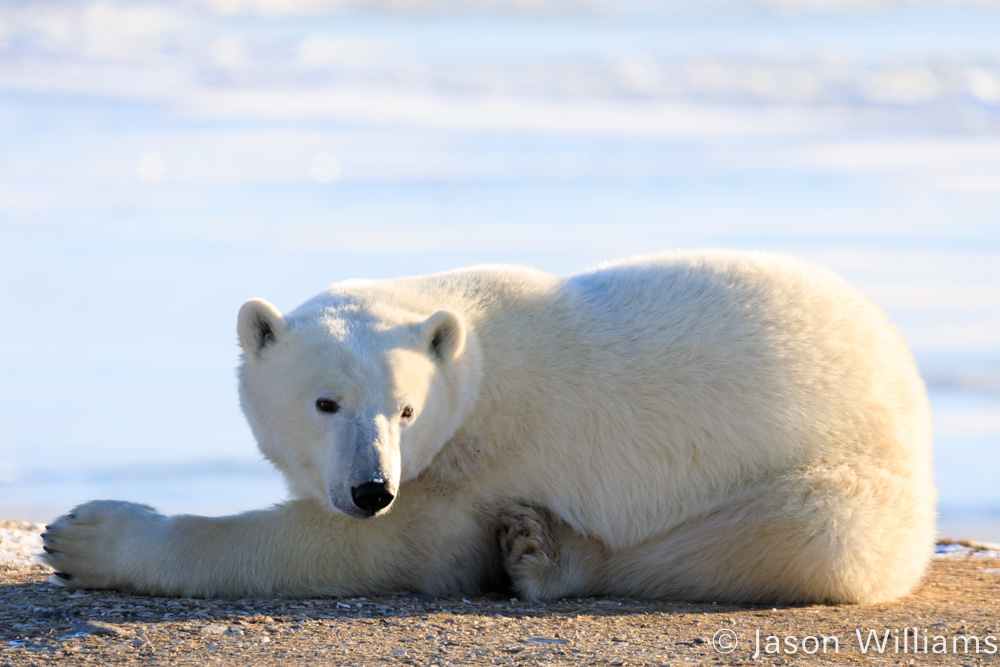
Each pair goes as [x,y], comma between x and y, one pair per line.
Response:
[529,553]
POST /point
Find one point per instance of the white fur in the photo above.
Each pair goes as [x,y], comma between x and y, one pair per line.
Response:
[717,425]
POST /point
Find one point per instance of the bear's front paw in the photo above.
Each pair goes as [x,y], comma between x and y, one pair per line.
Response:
[530,556]
[89,547]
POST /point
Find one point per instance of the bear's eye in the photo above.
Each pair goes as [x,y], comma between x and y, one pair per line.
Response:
[407,412]
[327,406]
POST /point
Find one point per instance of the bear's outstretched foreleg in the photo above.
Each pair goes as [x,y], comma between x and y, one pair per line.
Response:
[293,549]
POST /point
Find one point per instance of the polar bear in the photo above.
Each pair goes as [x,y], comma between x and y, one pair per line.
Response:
[713,425]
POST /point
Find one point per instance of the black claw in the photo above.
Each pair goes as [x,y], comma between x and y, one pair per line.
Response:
[63,575]
[49,551]
[44,536]
[49,527]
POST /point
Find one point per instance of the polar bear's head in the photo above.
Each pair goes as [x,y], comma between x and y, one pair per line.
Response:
[350,399]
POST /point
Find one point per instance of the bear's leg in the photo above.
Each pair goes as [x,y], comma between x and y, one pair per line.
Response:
[544,558]
[295,549]
[827,535]
[848,533]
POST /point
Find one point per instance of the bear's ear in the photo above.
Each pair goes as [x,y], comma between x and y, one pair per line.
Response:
[259,324]
[444,334]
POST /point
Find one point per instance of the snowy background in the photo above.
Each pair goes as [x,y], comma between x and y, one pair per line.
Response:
[160,162]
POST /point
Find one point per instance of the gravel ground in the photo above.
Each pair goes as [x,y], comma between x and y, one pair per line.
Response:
[41,623]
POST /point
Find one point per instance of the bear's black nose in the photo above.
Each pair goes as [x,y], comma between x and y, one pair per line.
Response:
[372,496]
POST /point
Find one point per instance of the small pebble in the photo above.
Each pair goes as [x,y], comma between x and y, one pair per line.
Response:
[101,628]
[214,629]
